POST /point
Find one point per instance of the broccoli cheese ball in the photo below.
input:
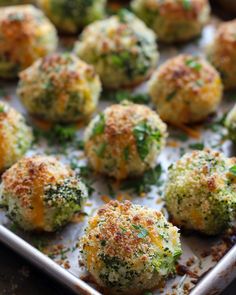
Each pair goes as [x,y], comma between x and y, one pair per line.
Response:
[70,16]
[129,247]
[41,193]
[15,136]
[60,87]
[121,48]
[185,89]
[222,53]
[230,124]
[25,35]
[124,140]
[173,20]
[200,192]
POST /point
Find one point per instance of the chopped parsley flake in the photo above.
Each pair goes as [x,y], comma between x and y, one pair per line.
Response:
[142,232]
[145,136]
[99,125]
[143,184]
[2,109]
[193,64]
[232,170]
[197,146]
[122,95]
[186,4]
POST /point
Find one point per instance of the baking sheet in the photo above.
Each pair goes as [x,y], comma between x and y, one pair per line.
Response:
[200,254]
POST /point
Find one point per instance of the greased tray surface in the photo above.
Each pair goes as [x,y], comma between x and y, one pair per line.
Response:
[200,254]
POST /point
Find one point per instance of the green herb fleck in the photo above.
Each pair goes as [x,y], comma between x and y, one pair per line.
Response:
[232,170]
[197,146]
[186,4]
[121,95]
[170,96]
[143,184]
[142,231]
[145,136]
[193,64]
[99,125]
[2,109]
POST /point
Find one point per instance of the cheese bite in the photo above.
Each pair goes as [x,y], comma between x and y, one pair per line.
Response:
[25,35]
[41,193]
[185,89]
[60,88]
[124,140]
[15,136]
[222,53]
[121,48]
[129,247]
[71,16]
[173,20]
[200,192]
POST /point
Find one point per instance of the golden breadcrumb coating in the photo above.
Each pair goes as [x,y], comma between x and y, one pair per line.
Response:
[200,192]
[71,16]
[124,140]
[15,136]
[173,20]
[121,48]
[60,87]
[221,53]
[25,35]
[129,247]
[41,193]
[185,89]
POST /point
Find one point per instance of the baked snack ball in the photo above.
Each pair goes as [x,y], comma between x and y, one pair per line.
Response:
[70,16]
[41,193]
[185,90]
[129,247]
[25,35]
[200,192]
[173,20]
[15,136]
[60,88]
[121,48]
[124,140]
[221,53]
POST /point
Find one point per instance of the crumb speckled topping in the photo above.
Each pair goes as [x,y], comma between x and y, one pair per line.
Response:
[185,89]
[173,20]
[221,53]
[124,140]
[129,247]
[25,35]
[121,48]
[41,193]
[60,87]
[15,136]
[200,192]
[70,16]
